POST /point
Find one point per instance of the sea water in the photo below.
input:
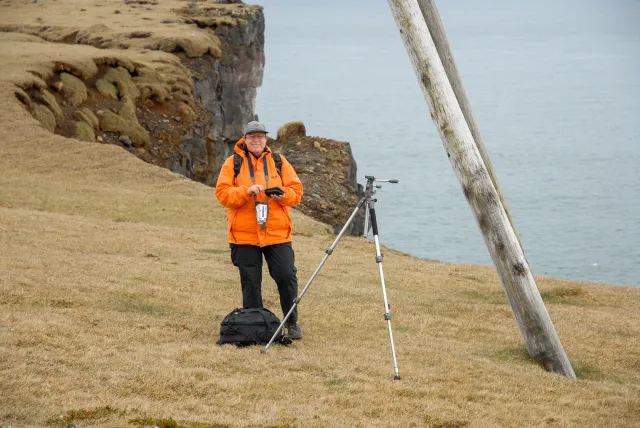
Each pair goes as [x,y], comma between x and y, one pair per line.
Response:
[554,86]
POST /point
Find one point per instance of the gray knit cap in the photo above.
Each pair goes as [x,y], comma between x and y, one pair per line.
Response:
[254,126]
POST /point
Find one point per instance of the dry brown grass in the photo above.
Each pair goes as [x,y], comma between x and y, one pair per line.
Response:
[167,25]
[114,276]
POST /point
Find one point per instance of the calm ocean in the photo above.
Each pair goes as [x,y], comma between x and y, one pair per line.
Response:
[555,88]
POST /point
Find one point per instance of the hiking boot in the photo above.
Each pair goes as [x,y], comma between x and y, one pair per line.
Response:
[294,331]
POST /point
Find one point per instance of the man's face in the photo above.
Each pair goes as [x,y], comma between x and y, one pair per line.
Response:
[256,141]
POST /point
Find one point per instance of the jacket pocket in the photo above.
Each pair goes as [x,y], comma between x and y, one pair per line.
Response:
[245,221]
[231,218]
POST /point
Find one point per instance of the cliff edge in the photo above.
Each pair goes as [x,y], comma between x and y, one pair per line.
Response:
[171,82]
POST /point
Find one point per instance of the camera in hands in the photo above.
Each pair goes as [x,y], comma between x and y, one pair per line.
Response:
[271,191]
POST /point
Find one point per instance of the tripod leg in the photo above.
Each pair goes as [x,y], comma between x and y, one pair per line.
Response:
[315,273]
[387,307]
[365,233]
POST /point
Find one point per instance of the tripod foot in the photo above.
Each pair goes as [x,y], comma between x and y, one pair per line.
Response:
[263,351]
[396,377]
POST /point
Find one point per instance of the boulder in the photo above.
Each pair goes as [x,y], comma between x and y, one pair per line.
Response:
[291,130]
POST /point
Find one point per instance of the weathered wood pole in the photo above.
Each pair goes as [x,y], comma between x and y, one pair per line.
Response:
[436,29]
[537,330]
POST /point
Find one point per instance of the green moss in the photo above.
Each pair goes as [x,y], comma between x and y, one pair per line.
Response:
[519,354]
[571,295]
[87,116]
[494,298]
[111,122]
[73,89]
[586,371]
[125,123]
[435,422]
[187,113]
[156,92]
[160,423]
[50,101]
[170,423]
[152,85]
[61,303]
[107,89]
[180,97]
[89,414]
[23,97]
[291,130]
[120,77]
[44,116]
[183,87]
[128,109]
[213,251]
[84,132]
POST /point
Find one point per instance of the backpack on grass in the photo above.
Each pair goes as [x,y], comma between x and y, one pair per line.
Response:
[250,326]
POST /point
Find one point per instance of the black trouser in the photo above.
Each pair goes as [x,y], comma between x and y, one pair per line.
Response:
[281,262]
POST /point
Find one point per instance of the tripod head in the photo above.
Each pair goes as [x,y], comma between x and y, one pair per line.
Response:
[370,202]
[370,186]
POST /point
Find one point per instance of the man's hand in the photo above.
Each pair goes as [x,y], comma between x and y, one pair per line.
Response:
[256,189]
[277,197]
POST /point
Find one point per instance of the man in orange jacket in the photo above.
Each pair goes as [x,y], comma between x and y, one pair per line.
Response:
[259,224]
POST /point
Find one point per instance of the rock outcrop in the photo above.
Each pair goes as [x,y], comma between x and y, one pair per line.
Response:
[328,172]
[291,130]
[226,89]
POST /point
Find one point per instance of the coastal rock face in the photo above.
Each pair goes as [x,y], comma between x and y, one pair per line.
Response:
[328,172]
[175,92]
[226,89]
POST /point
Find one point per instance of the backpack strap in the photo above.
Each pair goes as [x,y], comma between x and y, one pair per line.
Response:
[237,164]
[278,160]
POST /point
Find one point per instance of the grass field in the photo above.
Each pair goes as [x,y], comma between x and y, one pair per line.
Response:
[115,275]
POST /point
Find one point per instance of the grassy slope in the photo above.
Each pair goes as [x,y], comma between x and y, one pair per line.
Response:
[115,274]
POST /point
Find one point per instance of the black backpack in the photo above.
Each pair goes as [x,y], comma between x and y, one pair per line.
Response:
[250,326]
[237,164]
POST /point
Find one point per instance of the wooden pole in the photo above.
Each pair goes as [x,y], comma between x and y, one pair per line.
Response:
[537,330]
[436,29]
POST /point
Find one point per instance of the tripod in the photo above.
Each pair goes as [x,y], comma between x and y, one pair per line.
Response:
[370,219]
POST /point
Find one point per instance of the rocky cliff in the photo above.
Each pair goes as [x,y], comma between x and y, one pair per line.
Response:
[329,174]
[172,82]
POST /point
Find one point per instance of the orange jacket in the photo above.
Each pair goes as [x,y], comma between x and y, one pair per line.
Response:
[241,212]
